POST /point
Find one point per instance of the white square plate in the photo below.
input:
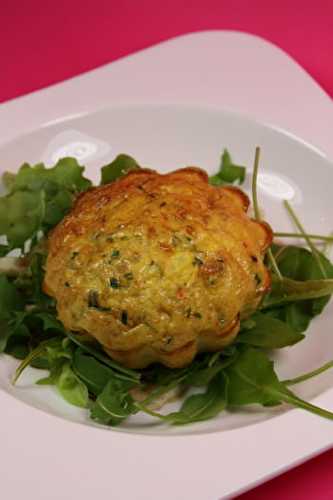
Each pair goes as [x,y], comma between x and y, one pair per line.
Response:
[167,106]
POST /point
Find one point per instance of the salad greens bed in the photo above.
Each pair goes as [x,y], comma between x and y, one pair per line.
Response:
[302,280]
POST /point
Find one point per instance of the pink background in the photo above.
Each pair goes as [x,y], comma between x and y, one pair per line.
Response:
[43,42]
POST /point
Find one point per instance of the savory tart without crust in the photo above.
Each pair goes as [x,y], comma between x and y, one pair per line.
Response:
[158,267]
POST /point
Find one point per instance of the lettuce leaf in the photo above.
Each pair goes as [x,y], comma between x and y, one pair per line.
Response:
[37,199]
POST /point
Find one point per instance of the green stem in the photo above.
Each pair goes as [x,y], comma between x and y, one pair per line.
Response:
[254,184]
[152,413]
[35,353]
[306,237]
[290,398]
[300,403]
[307,376]
[257,211]
[279,253]
[328,239]
[274,264]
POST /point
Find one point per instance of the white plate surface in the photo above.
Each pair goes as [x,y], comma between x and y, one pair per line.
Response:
[221,457]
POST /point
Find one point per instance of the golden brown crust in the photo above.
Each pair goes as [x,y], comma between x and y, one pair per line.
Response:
[158,267]
[243,198]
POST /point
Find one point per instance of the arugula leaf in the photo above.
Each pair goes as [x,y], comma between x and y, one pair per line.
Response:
[204,406]
[228,173]
[252,380]
[72,388]
[286,290]
[10,298]
[299,264]
[50,322]
[205,371]
[36,268]
[269,333]
[123,373]
[297,302]
[13,330]
[58,350]
[161,375]
[114,404]
[18,350]
[4,250]
[119,167]
[28,329]
[203,376]
[92,372]
[294,314]
[14,335]
[5,333]
[55,356]
[199,373]
[10,302]
[54,373]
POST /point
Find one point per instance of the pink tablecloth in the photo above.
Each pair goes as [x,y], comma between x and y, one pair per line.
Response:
[44,42]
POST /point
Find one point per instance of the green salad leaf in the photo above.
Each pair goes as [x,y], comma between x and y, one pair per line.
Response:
[37,199]
[10,302]
[269,332]
[4,250]
[252,380]
[72,388]
[15,335]
[229,172]
[10,298]
[286,291]
[95,351]
[205,372]
[50,322]
[302,294]
[66,174]
[91,371]
[40,350]
[203,406]
[242,374]
[120,166]
[21,215]
[114,404]
[300,264]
